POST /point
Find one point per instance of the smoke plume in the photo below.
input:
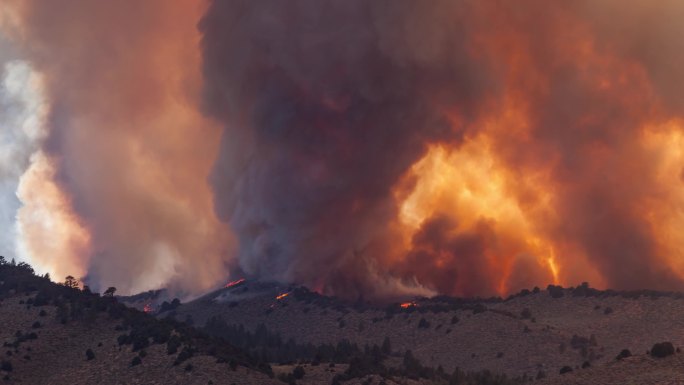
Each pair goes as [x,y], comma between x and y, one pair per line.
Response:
[371,148]
[462,147]
[128,145]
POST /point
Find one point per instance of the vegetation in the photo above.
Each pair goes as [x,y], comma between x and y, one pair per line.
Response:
[363,361]
[624,353]
[141,329]
[662,349]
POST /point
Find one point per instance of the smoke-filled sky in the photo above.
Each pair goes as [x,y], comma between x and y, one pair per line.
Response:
[373,148]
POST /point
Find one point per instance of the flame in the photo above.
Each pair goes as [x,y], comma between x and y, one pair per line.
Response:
[148,308]
[234,283]
[407,305]
[471,185]
[282,296]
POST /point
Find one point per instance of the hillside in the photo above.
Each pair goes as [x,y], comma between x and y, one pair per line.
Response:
[47,329]
[59,333]
[534,333]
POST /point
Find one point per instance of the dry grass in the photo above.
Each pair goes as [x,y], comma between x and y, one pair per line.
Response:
[58,355]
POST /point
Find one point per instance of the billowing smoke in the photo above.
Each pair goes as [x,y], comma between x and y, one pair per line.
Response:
[359,147]
[463,147]
[127,150]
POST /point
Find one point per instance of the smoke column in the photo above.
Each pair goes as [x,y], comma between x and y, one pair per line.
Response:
[127,151]
[460,147]
[371,148]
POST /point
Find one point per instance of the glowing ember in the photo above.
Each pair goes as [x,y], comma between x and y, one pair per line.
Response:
[234,283]
[147,308]
[407,305]
[281,296]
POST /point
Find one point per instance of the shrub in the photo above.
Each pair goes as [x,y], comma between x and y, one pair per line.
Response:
[526,313]
[662,349]
[565,369]
[188,368]
[423,324]
[172,345]
[454,320]
[624,354]
[185,354]
[555,291]
[586,364]
[298,373]
[136,361]
[578,342]
[607,310]
[6,366]
[36,325]
[42,313]
[90,355]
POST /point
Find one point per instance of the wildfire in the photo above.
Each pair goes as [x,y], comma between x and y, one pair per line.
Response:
[281,296]
[407,305]
[147,308]
[234,283]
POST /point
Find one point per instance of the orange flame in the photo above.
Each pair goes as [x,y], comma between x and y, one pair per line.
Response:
[234,283]
[147,308]
[407,305]
[281,296]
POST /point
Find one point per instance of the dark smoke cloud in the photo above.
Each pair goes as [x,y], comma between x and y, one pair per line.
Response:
[535,141]
[327,104]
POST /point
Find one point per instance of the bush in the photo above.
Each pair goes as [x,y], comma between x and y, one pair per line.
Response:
[172,345]
[565,369]
[454,320]
[608,310]
[6,366]
[90,355]
[526,313]
[555,291]
[423,324]
[624,354]
[586,364]
[298,373]
[662,349]
[136,361]
[36,325]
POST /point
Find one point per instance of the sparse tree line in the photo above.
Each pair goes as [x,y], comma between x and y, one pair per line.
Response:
[363,361]
[139,330]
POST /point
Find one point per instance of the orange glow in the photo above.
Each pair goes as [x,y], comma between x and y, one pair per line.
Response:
[407,305]
[148,308]
[282,296]
[473,184]
[234,283]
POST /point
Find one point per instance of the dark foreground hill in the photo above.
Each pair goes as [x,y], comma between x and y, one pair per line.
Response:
[60,334]
[54,334]
[535,334]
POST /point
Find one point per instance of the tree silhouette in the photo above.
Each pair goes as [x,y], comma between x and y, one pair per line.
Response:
[71,282]
[110,292]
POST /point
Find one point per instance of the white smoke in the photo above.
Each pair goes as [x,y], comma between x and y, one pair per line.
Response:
[22,115]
